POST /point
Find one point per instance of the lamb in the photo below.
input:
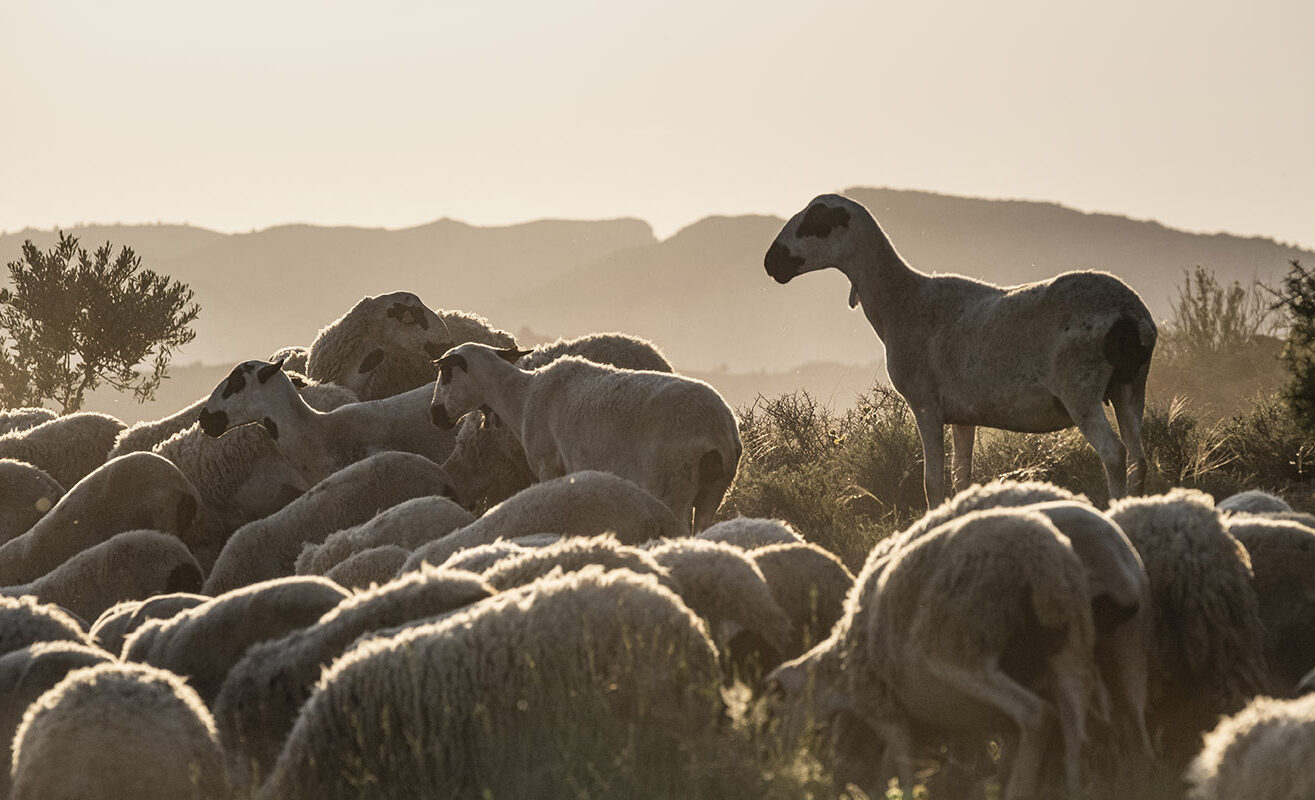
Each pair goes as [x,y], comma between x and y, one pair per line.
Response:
[368,567]
[487,463]
[748,533]
[319,443]
[115,623]
[984,619]
[383,345]
[204,642]
[28,493]
[268,548]
[152,739]
[672,435]
[127,566]
[24,621]
[1263,751]
[462,707]
[409,525]
[67,447]
[1253,501]
[1207,644]
[139,490]
[1037,357]
[809,584]
[20,419]
[1282,557]
[580,504]
[259,700]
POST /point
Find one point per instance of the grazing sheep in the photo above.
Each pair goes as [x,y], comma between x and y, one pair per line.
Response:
[203,642]
[383,345]
[488,464]
[480,558]
[259,700]
[409,524]
[128,566]
[67,447]
[580,504]
[1283,567]
[464,706]
[152,739]
[672,435]
[570,555]
[321,443]
[748,533]
[294,358]
[26,494]
[115,623]
[1207,644]
[367,567]
[1034,358]
[1263,751]
[268,548]
[980,627]
[20,419]
[1253,501]
[139,490]
[27,674]
[809,584]
[25,621]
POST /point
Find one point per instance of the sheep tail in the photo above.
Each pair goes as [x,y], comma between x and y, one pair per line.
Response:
[1128,346]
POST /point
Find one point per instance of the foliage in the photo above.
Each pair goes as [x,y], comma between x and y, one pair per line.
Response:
[1296,298]
[71,320]
[1210,319]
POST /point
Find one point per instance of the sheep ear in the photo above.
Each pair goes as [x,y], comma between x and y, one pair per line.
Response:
[512,354]
[266,372]
[298,382]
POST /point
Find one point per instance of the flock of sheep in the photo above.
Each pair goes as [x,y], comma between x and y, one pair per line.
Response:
[414,560]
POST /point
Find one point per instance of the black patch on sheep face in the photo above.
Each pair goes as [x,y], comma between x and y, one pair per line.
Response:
[447,364]
[187,509]
[234,383]
[780,263]
[372,361]
[271,427]
[438,414]
[269,370]
[213,423]
[183,578]
[409,315]
[820,219]
[434,349]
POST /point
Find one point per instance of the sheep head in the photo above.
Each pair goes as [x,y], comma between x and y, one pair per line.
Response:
[245,396]
[831,232]
[457,391]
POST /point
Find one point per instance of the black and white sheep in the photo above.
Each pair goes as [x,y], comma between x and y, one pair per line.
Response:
[672,435]
[26,494]
[409,525]
[1034,358]
[67,447]
[268,548]
[152,739]
[1263,751]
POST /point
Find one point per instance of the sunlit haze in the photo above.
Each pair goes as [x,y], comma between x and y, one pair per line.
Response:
[247,114]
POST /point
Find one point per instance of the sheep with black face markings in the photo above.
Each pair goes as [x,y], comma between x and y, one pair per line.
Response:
[1037,357]
[409,525]
[463,706]
[28,493]
[487,463]
[1263,751]
[260,698]
[68,448]
[673,436]
[153,739]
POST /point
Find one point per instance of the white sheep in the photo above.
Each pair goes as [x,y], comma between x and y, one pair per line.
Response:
[480,558]
[1263,751]
[810,584]
[128,566]
[463,707]
[1253,501]
[67,447]
[203,643]
[139,490]
[579,504]
[260,698]
[268,548]
[1207,642]
[1034,358]
[294,358]
[571,554]
[383,345]
[152,739]
[409,525]
[20,419]
[748,533]
[1282,556]
[320,443]
[984,622]
[672,435]
[488,464]
[366,568]
[115,623]
[25,621]
[26,494]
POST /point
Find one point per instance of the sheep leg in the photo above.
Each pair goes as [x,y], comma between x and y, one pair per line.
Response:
[1127,660]
[931,429]
[1091,421]
[962,469]
[1129,401]
[1071,702]
[990,686]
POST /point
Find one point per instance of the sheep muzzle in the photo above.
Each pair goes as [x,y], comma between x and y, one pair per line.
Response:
[213,423]
[781,264]
[438,414]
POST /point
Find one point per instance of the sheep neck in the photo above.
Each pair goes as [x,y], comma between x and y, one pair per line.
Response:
[303,436]
[503,389]
[886,286]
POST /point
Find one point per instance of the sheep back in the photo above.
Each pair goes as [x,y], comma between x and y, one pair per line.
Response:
[408,524]
[28,493]
[68,448]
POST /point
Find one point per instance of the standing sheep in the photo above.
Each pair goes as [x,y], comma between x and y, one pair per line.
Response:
[611,669]
[26,494]
[409,525]
[67,448]
[672,435]
[152,739]
[580,504]
[1263,751]
[268,548]
[1037,357]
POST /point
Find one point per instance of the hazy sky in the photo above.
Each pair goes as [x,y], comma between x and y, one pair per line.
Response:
[245,114]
